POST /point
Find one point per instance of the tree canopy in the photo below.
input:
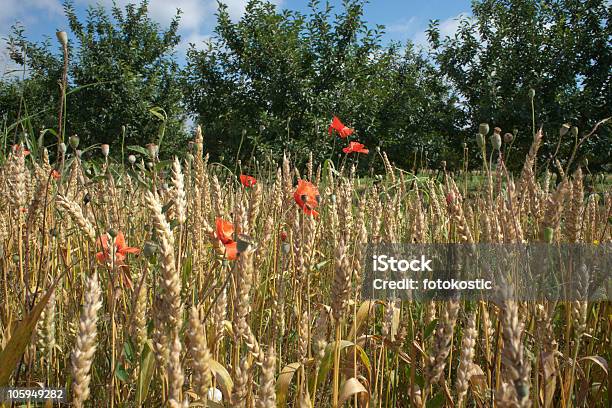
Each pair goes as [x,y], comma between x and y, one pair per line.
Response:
[272,80]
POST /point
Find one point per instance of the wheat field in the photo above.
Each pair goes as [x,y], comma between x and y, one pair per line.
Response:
[153,283]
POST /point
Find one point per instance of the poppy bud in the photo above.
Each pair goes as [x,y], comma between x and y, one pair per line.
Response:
[132,159]
[531,93]
[564,129]
[548,234]
[62,148]
[149,249]
[74,141]
[245,243]
[443,163]
[112,233]
[105,149]
[450,197]
[480,140]
[585,162]
[483,129]
[16,258]
[285,247]
[508,137]
[574,131]
[150,165]
[496,141]
[153,150]
[62,38]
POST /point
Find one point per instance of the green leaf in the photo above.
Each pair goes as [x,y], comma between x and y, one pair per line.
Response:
[139,149]
[159,113]
[437,401]
[430,328]
[283,382]
[11,354]
[128,349]
[121,373]
[147,368]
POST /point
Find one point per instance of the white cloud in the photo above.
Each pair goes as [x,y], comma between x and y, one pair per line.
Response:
[403,26]
[197,16]
[198,40]
[8,68]
[235,8]
[28,11]
[447,28]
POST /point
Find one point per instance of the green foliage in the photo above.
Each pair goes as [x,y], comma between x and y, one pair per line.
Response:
[121,66]
[558,48]
[272,81]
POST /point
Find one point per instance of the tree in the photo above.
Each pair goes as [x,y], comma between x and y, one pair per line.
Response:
[272,81]
[558,48]
[121,67]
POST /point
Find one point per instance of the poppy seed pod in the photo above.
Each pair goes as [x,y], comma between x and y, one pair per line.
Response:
[214,394]
[564,129]
[531,93]
[483,129]
[286,247]
[508,137]
[574,131]
[62,37]
[496,141]
[74,141]
[480,140]
[105,149]
[132,159]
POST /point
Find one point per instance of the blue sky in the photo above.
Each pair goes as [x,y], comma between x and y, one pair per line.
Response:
[403,19]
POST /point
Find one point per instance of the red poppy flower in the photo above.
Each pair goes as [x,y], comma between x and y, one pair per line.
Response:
[225,230]
[230,250]
[307,197]
[248,181]
[55,174]
[223,239]
[340,128]
[121,249]
[19,150]
[355,147]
